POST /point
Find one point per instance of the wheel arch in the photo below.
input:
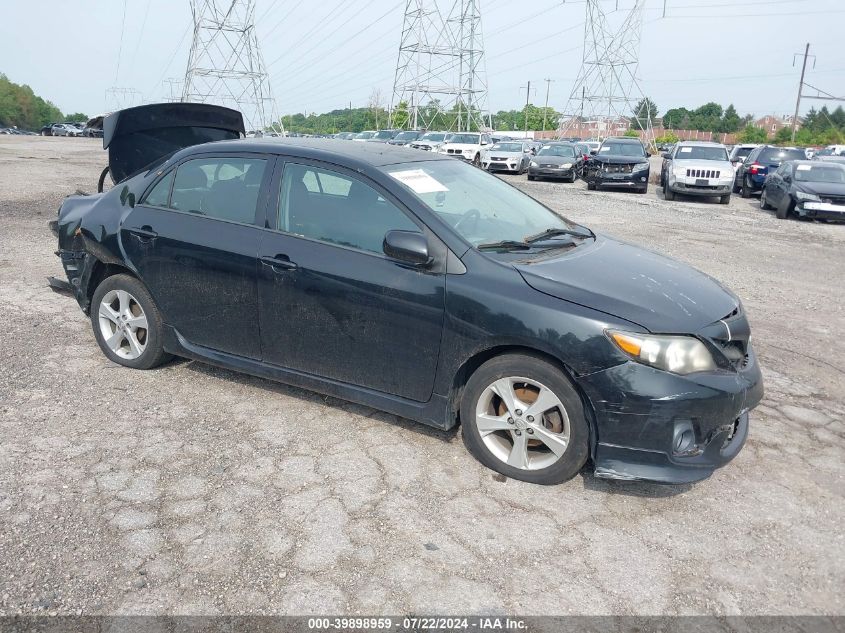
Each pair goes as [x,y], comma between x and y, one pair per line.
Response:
[100,271]
[479,357]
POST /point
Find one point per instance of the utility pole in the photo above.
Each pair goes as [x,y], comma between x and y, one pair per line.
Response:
[527,96]
[546,108]
[800,89]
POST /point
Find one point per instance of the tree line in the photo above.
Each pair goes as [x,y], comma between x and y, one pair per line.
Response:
[21,107]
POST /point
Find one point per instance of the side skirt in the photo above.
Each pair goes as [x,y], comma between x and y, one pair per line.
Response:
[436,412]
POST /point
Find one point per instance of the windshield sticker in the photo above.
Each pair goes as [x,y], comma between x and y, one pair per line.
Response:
[546,146]
[419,181]
[604,149]
[804,167]
[686,150]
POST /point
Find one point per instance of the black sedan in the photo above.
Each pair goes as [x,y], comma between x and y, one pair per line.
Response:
[619,162]
[556,160]
[414,284]
[807,189]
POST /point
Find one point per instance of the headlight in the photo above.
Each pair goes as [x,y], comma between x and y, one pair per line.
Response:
[800,195]
[533,163]
[640,166]
[566,166]
[677,354]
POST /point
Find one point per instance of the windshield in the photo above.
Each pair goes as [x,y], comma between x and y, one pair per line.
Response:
[433,136]
[479,206]
[622,149]
[567,151]
[406,136]
[384,134]
[470,139]
[364,135]
[742,152]
[508,147]
[701,152]
[820,173]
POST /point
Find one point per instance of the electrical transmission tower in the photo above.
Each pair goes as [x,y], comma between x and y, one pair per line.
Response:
[225,65]
[606,91]
[440,79]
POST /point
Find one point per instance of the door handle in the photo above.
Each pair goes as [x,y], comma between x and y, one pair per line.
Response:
[279,263]
[145,233]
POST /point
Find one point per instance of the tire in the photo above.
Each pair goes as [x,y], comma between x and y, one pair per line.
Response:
[591,186]
[102,180]
[530,177]
[477,160]
[643,190]
[735,188]
[668,194]
[563,425]
[571,178]
[726,199]
[43,133]
[745,192]
[124,299]
[764,204]
[783,210]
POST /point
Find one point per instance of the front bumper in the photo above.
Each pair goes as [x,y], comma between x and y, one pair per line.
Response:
[551,172]
[690,188]
[642,413]
[637,179]
[495,165]
[821,211]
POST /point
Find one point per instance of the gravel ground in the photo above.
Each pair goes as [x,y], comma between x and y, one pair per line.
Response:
[194,490]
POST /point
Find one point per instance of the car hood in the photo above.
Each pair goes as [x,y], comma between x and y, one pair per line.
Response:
[615,160]
[499,154]
[821,188]
[459,146]
[554,160]
[623,280]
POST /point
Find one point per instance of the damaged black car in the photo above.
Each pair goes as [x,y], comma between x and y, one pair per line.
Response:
[619,162]
[410,283]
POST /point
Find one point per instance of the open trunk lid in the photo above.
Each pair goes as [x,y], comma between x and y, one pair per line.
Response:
[136,137]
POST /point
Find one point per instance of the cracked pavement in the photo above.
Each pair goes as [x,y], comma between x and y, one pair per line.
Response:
[195,490]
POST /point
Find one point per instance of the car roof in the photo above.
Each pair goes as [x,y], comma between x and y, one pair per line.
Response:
[353,154]
[700,143]
[622,139]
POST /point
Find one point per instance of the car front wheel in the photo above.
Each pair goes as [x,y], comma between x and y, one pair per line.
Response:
[764,204]
[746,187]
[127,324]
[521,417]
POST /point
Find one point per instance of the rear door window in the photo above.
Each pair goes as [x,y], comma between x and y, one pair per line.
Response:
[160,194]
[224,188]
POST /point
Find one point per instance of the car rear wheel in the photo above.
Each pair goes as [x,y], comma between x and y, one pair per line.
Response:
[521,417]
[746,187]
[530,177]
[591,186]
[477,160]
[127,324]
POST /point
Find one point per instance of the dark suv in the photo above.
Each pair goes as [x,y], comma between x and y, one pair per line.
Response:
[618,162]
[751,174]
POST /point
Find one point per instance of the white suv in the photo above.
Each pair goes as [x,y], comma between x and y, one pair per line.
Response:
[697,168]
[466,145]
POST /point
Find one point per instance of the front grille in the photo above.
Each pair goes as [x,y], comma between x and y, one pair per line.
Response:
[453,151]
[618,169]
[548,166]
[497,158]
[703,173]
[834,199]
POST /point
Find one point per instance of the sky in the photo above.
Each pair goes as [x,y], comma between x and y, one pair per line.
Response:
[323,54]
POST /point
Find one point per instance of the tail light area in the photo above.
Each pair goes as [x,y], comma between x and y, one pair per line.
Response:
[757,168]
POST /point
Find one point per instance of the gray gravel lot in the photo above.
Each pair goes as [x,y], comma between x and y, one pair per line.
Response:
[190,489]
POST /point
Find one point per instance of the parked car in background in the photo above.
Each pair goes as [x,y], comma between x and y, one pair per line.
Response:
[445,268]
[383,136]
[364,136]
[697,168]
[65,129]
[739,152]
[807,189]
[829,159]
[619,162]
[836,150]
[466,145]
[751,174]
[511,156]
[556,160]
[593,145]
[405,138]
[47,130]
[430,141]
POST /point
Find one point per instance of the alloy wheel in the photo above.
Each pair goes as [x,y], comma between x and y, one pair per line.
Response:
[522,423]
[123,324]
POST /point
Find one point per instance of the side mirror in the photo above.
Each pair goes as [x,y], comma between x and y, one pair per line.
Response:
[407,246]
[648,154]
[593,152]
[787,178]
[666,155]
